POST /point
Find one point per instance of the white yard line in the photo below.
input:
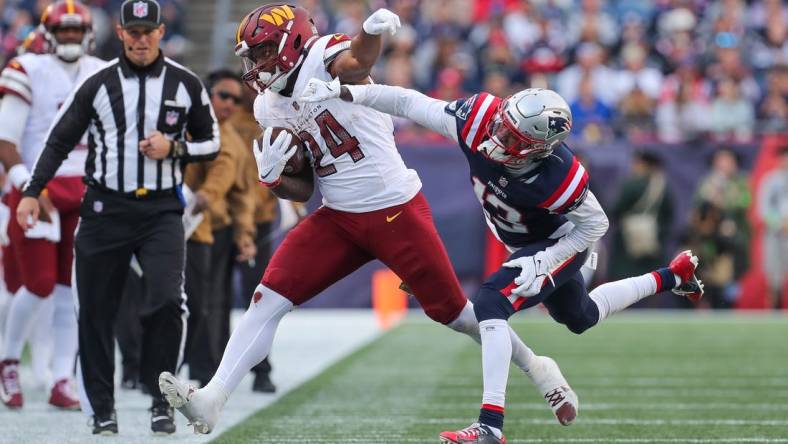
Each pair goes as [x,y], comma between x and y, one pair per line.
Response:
[307,342]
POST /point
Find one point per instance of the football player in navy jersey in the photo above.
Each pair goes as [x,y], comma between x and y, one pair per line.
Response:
[535,198]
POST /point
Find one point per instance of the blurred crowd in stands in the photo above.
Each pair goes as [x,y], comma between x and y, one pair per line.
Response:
[665,70]
[19,17]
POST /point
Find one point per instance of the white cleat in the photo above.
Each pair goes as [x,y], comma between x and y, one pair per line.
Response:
[552,385]
[196,405]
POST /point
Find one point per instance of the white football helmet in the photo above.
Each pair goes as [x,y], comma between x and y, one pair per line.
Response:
[526,127]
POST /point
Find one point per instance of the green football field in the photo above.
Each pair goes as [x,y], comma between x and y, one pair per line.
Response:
[641,378]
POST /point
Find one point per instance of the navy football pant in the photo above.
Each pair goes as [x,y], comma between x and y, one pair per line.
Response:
[567,302]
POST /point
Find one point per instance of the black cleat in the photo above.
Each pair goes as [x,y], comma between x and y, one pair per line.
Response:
[162,420]
[105,425]
[262,383]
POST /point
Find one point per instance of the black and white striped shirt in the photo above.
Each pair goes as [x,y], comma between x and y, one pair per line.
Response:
[119,105]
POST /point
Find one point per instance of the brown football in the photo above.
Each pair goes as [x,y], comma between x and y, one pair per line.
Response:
[299,159]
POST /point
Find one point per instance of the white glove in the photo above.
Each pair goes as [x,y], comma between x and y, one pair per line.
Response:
[380,21]
[273,157]
[319,90]
[535,269]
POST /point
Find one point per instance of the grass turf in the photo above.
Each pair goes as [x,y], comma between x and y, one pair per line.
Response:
[678,378]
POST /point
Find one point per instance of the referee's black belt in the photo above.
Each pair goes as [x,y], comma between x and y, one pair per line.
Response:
[138,194]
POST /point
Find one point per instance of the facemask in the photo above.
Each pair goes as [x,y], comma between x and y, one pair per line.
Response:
[69,52]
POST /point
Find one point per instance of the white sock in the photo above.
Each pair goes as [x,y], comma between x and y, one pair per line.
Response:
[613,297]
[24,307]
[65,330]
[466,323]
[5,303]
[41,341]
[496,356]
[251,340]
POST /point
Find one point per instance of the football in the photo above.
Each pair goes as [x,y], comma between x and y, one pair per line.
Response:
[299,159]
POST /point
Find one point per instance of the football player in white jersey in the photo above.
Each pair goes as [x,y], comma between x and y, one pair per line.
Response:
[372,205]
[37,262]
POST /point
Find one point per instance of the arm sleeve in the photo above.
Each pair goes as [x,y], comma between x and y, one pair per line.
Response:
[403,102]
[590,224]
[202,126]
[14,112]
[65,133]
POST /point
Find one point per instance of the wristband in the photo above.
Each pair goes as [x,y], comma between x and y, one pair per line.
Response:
[272,184]
[18,175]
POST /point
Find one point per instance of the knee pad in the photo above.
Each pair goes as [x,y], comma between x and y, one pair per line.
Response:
[489,303]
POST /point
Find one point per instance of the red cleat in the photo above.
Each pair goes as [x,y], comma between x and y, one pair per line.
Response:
[474,434]
[10,390]
[684,266]
[62,397]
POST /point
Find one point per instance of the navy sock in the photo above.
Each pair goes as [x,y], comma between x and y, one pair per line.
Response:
[491,415]
[665,279]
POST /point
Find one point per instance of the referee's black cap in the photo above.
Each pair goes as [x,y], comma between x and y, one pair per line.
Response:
[140,13]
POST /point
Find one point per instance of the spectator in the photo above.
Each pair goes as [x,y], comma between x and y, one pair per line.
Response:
[732,116]
[589,62]
[642,214]
[636,75]
[773,206]
[210,182]
[682,113]
[773,108]
[589,113]
[719,227]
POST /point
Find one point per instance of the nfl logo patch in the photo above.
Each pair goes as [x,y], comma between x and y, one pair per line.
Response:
[98,206]
[171,118]
[503,181]
[140,9]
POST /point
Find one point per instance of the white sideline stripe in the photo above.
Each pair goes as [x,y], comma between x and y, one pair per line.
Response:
[694,407]
[649,440]
[402,439]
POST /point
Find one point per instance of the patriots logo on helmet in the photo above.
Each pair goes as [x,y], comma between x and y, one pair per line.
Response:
[558,125]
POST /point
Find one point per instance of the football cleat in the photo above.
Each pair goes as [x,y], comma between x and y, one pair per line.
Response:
[546,375]
[105,425]
[162,420]
[684,266]
[196,405]
[473,434]
[10,390]
[62,397]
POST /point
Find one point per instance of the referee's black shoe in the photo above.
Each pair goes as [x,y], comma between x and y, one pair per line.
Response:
[162,419]
[106,425]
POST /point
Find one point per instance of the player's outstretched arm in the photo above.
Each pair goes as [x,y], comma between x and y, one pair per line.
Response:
[393,100]
[354,66]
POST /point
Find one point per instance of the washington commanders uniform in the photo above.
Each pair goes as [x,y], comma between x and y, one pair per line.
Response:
[372,205]
[43,82]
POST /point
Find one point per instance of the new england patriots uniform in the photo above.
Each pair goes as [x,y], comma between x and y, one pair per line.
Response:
[526,212]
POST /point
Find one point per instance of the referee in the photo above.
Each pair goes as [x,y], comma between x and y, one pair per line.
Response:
[137,111]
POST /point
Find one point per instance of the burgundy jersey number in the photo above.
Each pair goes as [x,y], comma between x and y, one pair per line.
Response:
[338,141]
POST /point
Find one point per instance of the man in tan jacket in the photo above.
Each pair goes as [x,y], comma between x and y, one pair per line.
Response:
[220,195]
